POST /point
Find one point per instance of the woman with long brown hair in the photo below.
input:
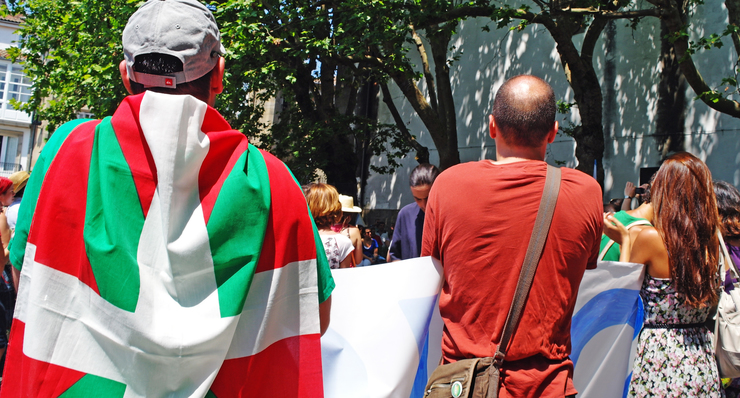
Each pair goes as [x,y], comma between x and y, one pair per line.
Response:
[681,254]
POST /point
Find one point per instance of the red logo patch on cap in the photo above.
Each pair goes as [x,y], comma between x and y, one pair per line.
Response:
[168,81]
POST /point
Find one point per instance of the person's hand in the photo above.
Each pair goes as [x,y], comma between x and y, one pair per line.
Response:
[644,189]
[614,229]
[629,189]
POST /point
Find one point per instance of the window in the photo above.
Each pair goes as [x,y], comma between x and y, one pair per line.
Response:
[19,87]
[13,85]
[3,79]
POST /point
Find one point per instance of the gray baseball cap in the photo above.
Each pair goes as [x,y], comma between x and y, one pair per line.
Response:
[185,29]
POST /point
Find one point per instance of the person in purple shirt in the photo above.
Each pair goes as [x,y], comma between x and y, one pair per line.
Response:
[728,205]
[409,227]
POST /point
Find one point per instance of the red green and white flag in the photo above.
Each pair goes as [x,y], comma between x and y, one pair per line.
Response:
[161,255]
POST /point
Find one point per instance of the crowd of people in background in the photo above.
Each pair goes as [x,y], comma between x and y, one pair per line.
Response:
[11,193]
[339,224]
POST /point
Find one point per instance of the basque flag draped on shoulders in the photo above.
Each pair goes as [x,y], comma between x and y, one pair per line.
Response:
[162,255]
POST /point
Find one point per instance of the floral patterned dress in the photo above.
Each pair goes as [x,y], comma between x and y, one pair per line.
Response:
[673,362]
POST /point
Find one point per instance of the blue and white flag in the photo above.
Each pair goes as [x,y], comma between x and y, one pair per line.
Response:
[607,319]
[379,343]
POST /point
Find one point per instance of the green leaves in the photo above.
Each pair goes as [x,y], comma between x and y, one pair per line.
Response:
[71,51]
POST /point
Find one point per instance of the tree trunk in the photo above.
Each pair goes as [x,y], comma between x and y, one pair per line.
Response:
[449,155]
[440,122]
[579,71]
[342,164]
[669,126]
[733,13]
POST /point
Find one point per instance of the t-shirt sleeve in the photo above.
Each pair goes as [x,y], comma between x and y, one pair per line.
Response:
[33,188]
[345,246]
[395,248]
[597,219]
[429,243]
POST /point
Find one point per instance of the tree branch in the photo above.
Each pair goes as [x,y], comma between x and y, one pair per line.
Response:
[672,18]
[422,152]
[605,14]
[425,64]
[541,4]
[473,12]
[733,11]
[591,37]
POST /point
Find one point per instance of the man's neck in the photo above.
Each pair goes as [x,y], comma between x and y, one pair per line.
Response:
[506,154]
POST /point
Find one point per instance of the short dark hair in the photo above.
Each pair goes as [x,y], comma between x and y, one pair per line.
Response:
[164,64]
[645,198]
[728,205]
[423,174]
[524,120]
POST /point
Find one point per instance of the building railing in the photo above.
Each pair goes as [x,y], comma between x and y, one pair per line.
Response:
[7,169]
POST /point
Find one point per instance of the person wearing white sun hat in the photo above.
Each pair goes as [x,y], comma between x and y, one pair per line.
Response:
[348,228]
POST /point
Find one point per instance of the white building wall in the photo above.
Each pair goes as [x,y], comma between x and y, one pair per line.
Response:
[15,126]
[7,34]
[487,59]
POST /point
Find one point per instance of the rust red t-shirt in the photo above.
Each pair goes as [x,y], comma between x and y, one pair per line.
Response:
[479,219]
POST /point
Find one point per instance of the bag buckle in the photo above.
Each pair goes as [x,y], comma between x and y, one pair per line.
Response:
[498,359]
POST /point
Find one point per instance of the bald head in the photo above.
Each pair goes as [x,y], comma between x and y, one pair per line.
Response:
[524,110]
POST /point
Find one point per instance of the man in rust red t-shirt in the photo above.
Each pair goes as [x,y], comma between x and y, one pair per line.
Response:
[479,219]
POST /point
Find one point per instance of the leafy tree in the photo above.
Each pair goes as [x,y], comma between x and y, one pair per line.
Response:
[301,51]
[327,60]
[676,17]
[71,50]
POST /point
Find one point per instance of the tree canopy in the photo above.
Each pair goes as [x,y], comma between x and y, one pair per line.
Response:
[326,61]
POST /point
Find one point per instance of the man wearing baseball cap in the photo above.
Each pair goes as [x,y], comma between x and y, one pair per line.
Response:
[160,254]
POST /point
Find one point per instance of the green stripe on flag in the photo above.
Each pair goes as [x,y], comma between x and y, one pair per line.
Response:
[113,221]
[323,270]
[210,394]
[236,241]
[95,386]
[322,263]
[33,187]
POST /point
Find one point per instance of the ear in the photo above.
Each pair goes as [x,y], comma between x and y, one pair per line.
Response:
[217,78]
[551,135]
[491,127]
[217,81]
[124,76]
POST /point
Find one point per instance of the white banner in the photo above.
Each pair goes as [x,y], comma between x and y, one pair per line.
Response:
[379,331]
[607,319]
[385,333]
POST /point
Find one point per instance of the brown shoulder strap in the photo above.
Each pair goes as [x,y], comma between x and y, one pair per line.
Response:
[531,259]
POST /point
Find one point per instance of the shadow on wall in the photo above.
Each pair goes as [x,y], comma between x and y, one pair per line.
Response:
[627,62]
[633,140]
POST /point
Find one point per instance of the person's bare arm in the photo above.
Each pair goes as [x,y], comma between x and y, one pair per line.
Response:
[16,277]
[4,237]
[617,232]
[629,193]
[347,262]
[325,315]
[354,236]
[650,250]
